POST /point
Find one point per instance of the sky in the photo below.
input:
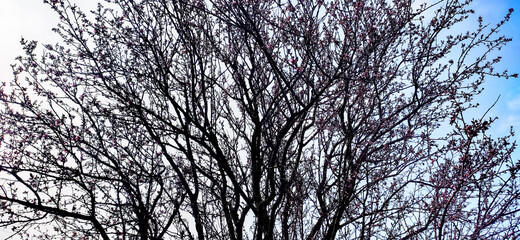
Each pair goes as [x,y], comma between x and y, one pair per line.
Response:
[34,20]
[508,106]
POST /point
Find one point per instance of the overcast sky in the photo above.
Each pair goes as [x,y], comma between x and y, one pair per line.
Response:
[33,20]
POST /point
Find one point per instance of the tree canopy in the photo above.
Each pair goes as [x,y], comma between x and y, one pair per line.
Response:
[253,119]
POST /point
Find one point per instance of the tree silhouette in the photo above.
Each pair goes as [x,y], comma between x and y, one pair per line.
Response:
[250,119]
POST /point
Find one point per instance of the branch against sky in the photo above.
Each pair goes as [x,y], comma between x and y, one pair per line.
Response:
[166,119]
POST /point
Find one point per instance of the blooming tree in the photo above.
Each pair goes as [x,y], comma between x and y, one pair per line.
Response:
[251,119]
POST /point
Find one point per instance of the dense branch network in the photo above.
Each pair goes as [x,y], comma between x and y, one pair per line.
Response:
[249,119]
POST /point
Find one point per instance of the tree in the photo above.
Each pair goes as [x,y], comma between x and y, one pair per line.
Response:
[159,119]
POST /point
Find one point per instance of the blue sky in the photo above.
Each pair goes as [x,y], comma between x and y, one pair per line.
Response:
[33,20]
[508,107]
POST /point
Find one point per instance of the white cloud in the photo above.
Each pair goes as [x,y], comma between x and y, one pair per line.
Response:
[508,122]
[514,104]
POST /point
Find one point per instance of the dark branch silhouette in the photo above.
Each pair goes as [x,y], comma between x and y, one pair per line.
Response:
[161,119]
